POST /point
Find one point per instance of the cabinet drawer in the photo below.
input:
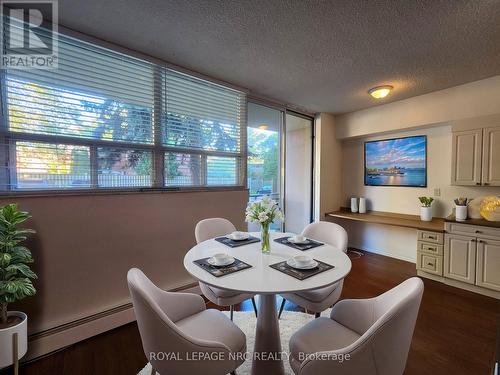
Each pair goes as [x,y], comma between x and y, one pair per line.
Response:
[473,230]
[434,237]
[431,248]
[430,263]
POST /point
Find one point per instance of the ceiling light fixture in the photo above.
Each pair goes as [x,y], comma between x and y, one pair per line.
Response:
[263,127]
[380,92]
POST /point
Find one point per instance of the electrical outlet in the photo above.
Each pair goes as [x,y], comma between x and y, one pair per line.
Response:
[437,192]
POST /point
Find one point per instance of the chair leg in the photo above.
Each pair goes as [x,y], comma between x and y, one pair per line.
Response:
[281,308]
[231,312]
[254,306]
[317,315]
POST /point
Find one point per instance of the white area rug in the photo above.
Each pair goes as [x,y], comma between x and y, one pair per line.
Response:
[290,322]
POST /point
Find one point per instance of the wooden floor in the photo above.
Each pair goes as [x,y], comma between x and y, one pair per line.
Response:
[455,334]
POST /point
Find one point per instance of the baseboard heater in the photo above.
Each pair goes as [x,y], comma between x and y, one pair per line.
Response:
[46,342]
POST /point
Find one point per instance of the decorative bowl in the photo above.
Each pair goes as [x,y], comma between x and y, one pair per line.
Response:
[490,208]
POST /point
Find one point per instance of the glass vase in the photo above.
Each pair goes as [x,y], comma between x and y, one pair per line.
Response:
[264,238]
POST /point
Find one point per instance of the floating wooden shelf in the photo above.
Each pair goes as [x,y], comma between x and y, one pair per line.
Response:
[389,218]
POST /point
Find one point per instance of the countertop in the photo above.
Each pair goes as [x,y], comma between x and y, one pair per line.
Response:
[389,218]
[481,222]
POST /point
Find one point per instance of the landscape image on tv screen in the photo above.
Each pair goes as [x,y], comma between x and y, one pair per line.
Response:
[396,162]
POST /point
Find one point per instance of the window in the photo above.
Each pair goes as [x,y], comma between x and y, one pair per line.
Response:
[107,120]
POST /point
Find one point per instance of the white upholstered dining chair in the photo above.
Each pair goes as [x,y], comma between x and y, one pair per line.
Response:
[178,323]
[365,336]
[207,229]
[320,299]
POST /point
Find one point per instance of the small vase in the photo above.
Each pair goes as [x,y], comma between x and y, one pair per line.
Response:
[426,213]
[362,205]
[460,213]
[354,204]
[264,238]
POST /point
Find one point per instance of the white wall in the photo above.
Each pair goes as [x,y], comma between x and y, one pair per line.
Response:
[473,99]
[394,241]
[328,166]
[405,199]
[432,114]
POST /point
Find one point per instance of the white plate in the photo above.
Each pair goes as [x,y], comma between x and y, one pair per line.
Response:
[230,260]
[244,237]
[297,242]
[291,263]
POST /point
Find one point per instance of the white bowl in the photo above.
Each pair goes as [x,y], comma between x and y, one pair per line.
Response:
[309,266]
[302,260]
[297,239]
[221,259]
[238,236]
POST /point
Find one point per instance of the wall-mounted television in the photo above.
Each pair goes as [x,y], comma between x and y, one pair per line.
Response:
[396,162]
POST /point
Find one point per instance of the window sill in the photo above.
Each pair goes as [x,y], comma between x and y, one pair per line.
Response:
[55,193]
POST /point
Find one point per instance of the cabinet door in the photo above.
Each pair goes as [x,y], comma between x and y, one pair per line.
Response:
[466,157]
[491,156]
[460,258]
[488,264]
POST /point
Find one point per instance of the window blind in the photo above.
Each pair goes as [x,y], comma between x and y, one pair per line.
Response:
[202,115]
[94,93]
[104,119]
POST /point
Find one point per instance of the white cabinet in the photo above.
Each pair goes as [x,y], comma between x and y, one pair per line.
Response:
[471,257]
[466,157]
[491,157]
[476,157]
[488,264]
[460,258]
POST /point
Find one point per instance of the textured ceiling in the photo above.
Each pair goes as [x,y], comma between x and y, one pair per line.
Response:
[319,55]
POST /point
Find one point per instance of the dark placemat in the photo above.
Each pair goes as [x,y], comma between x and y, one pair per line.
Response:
[310,244]
[301,274]
[238,265]
[232,243]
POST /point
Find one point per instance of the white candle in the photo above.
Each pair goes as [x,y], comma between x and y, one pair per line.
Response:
[362,205]
[354,204]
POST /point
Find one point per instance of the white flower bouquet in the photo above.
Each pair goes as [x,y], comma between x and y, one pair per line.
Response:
[263,212]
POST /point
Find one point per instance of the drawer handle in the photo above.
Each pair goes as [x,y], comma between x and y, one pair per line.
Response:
[480,241]
[430,264]
[432,237]
[431,249]
[478,231]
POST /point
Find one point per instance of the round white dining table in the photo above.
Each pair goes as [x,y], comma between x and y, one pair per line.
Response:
[267,282]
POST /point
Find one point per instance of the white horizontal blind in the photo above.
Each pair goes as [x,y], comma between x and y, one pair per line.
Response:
[95,94]
[104,120]
[202,115]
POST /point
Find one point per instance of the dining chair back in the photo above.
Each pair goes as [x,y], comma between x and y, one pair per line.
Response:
[318,300]
[211,228]
[164,321]
[330,233]
[373,335]
[207,229]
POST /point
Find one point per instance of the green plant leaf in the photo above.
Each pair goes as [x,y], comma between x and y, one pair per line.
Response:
[21,268]
[5,259]
[15,273]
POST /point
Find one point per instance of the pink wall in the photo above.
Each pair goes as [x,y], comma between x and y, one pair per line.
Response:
[86,243]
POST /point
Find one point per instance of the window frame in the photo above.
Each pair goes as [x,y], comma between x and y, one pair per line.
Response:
[157,148]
